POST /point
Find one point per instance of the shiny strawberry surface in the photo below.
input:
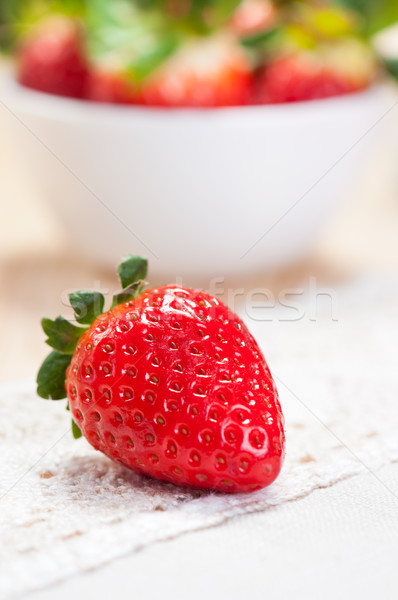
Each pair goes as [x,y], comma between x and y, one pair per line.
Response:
[173,385]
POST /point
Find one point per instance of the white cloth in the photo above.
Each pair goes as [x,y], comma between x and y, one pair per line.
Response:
[66,509]
[339,542]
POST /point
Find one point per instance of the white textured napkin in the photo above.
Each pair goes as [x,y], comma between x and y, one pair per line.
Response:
[66,508]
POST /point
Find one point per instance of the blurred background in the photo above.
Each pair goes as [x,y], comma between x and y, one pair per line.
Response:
[83,180]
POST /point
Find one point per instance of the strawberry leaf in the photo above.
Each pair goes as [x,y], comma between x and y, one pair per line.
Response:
[261,38]
[128,293]
[132,270]
[87,306]
[144,65]
[391,65]
[51,376]
[62,335]
[376,15]
[76,431]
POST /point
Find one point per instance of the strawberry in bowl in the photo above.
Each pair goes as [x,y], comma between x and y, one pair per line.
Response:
[309,75]
[168,382]
[214,118]
[197,54]
[52,59]
[209,72]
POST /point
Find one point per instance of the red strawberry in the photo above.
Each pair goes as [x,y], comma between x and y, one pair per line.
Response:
[346,68]
[169,383]
[51,60]
[108,86]
[207,73]
[291,80]
[253,16]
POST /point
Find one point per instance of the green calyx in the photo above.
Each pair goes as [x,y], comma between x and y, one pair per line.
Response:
[76,431]
[87,306]
[132,273]
[75,428]
[63,336]
[51,376]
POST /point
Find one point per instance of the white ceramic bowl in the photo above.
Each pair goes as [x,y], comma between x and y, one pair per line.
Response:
[201,193]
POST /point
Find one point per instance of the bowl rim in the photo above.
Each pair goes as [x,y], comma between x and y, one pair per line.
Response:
[15,96]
